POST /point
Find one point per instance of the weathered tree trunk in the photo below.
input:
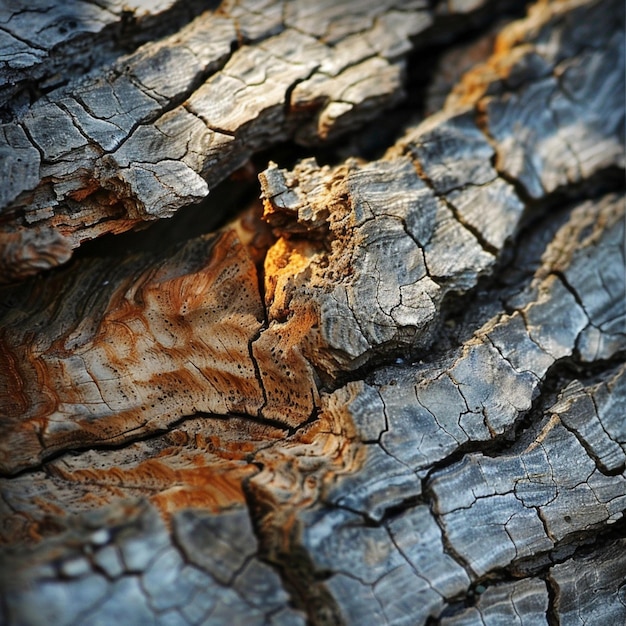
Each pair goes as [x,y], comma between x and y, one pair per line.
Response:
[394,392]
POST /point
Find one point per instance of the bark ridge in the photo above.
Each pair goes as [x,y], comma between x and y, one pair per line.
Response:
[390,392]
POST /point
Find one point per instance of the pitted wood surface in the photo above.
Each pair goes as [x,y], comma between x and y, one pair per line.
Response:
[398,400]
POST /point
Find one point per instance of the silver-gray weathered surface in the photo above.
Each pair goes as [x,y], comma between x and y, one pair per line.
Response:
[392,394]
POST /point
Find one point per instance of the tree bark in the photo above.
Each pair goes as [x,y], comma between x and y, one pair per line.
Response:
[390,392]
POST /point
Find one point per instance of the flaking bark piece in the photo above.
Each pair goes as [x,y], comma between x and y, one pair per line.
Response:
[375,283]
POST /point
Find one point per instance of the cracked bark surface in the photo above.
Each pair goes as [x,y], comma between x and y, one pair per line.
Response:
[392,394]
[156,129]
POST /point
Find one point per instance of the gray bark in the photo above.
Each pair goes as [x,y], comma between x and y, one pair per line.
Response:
[392,394]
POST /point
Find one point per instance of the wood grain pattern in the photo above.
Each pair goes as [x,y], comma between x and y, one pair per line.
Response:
[390,391]
[114,350]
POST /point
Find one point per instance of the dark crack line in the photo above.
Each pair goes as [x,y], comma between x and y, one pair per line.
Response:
[117,444]
[292,563]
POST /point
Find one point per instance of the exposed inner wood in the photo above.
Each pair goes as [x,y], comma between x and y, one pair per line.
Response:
[389,392]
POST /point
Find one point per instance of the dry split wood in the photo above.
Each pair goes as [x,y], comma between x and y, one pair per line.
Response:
[405,406]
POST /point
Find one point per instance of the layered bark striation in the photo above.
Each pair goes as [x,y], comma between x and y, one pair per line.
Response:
[399,401]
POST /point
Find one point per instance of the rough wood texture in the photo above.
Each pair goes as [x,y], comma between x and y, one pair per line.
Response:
[105,351]
[155,130]
[399,400]
[590,587]
[523,602]
[44,42]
